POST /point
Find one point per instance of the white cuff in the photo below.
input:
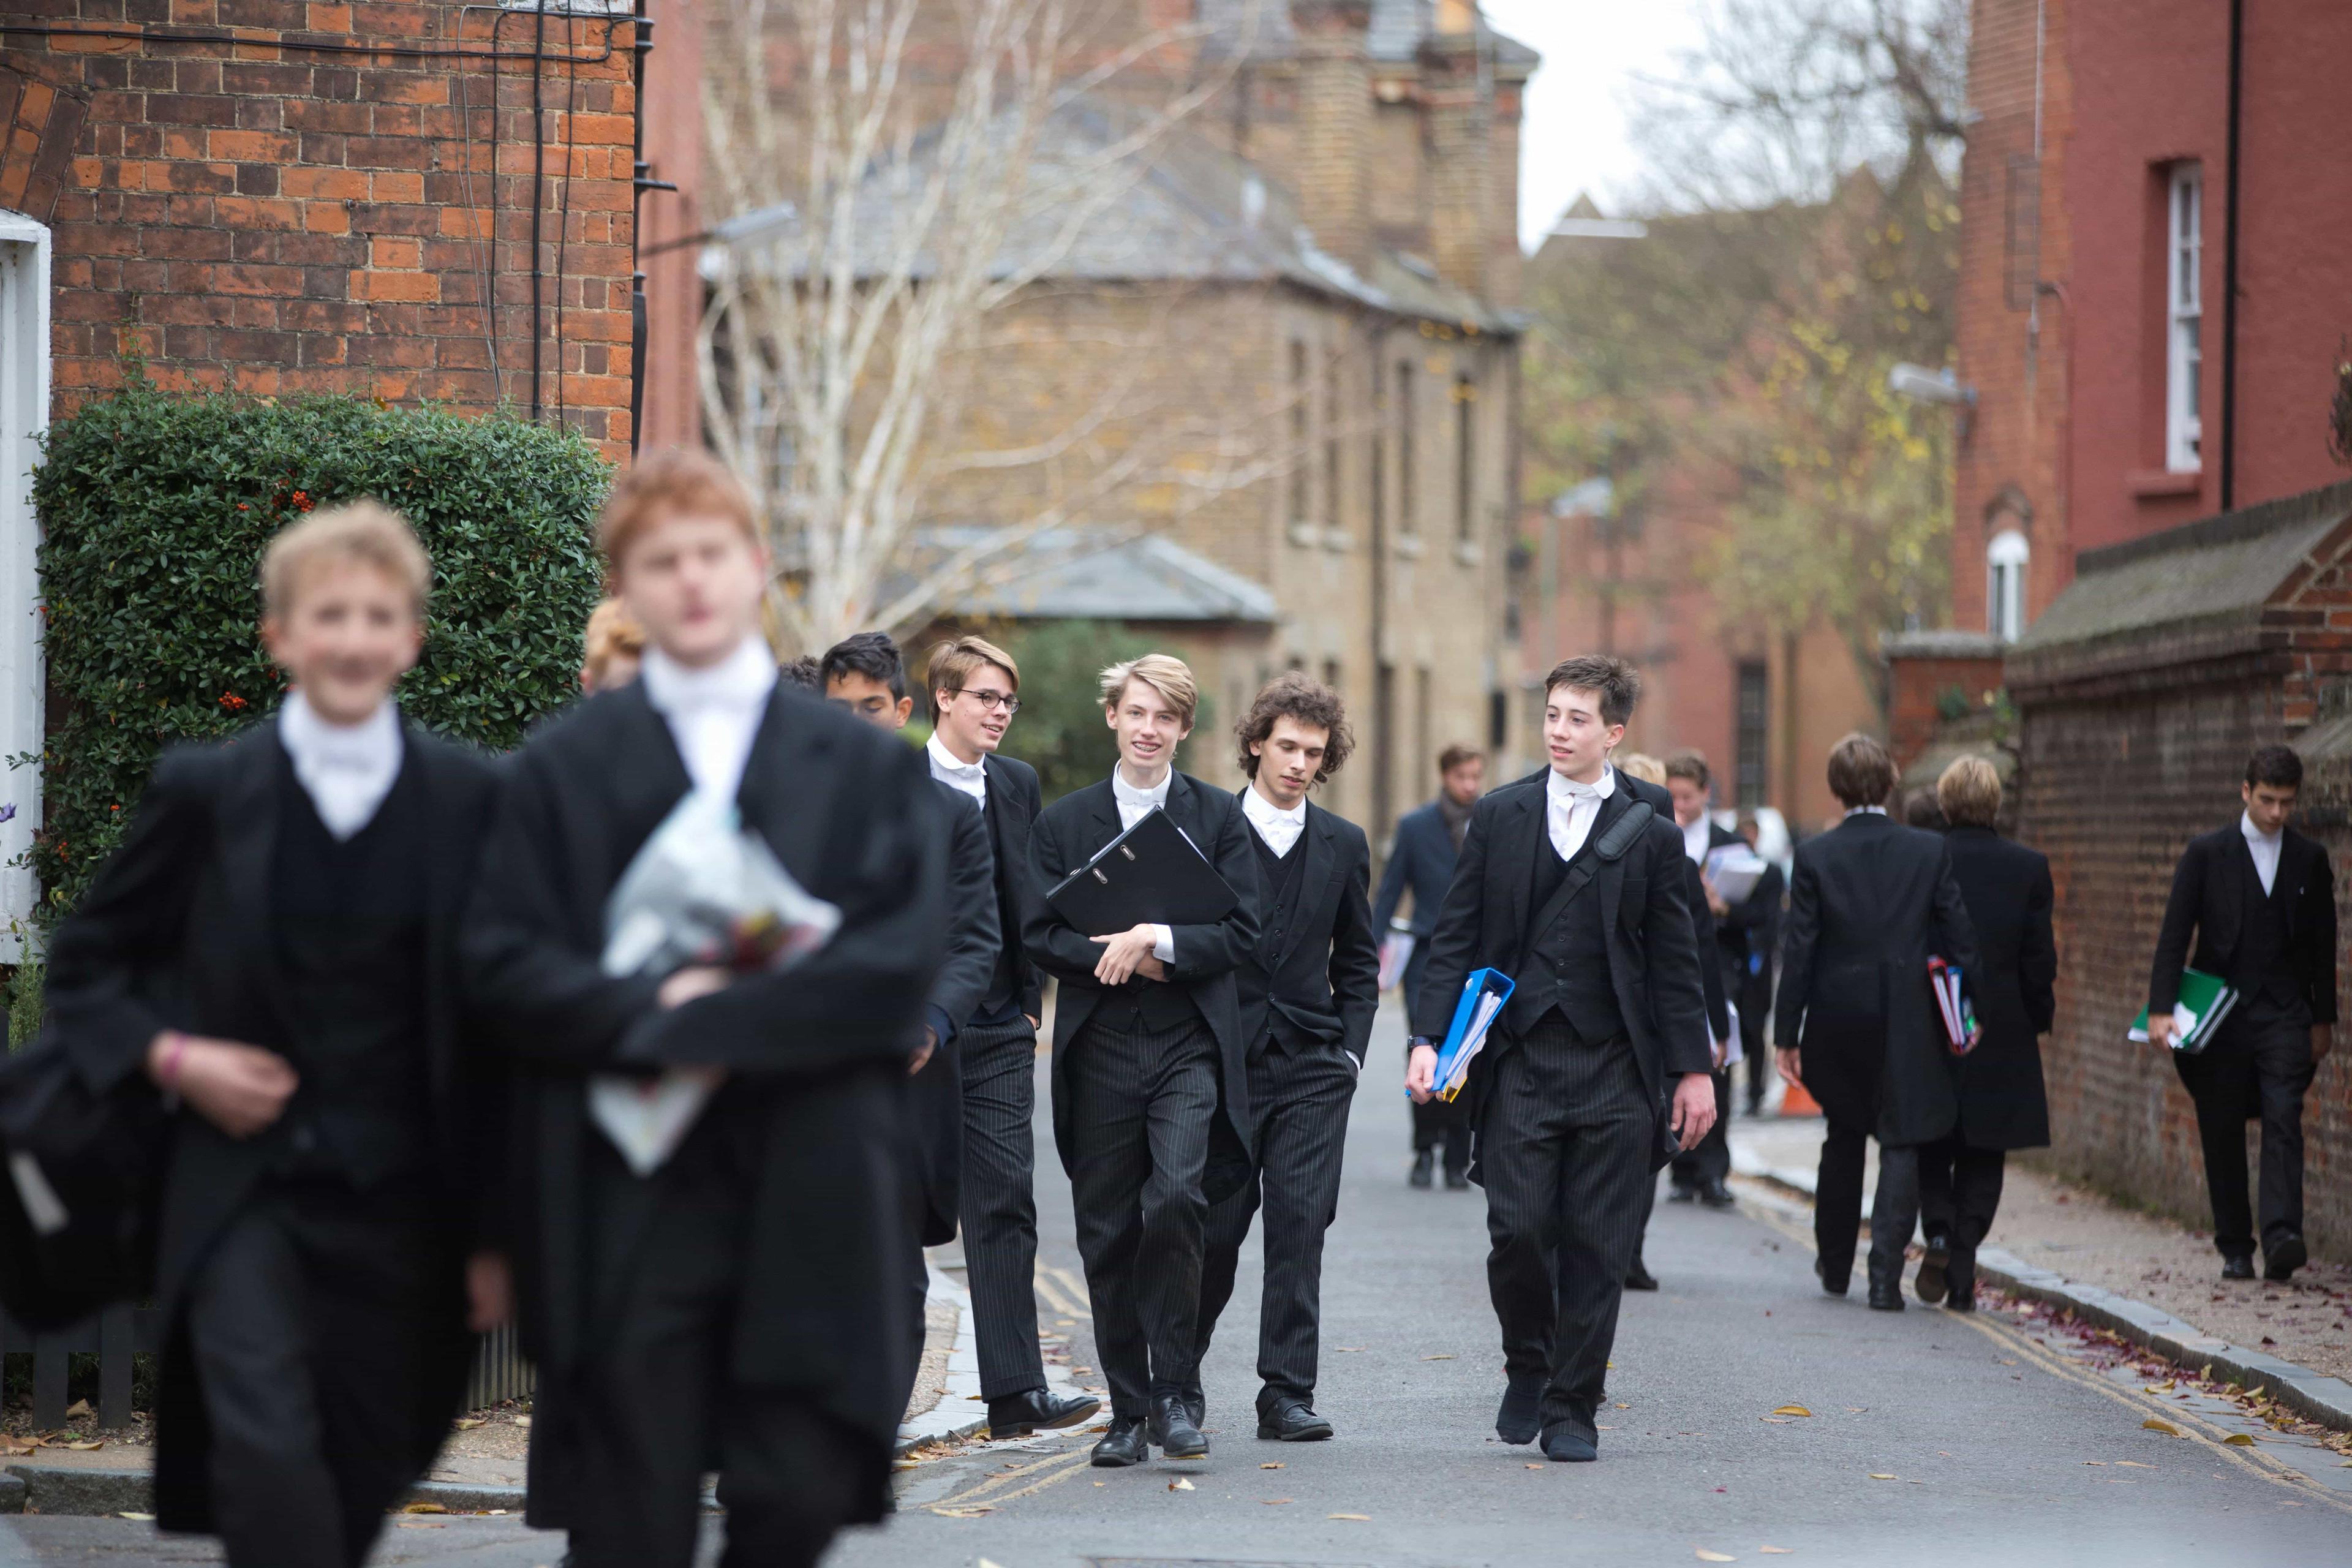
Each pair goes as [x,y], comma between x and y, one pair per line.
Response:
[1163,944]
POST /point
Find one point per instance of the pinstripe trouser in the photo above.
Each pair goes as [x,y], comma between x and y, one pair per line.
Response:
[1564,1144]
[999,1207]
[1301,1100]
[1141,1101]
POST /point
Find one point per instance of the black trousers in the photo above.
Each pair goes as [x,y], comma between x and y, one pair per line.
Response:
[1960,1191]
[1441,1124]
[1301,1100]
[1755,1011]
[1142,1102]
[2258,1070]
[1711,1159]
[312,1323]
[999,1203]
[1837,1198]
[659,1405]
[1565,1133]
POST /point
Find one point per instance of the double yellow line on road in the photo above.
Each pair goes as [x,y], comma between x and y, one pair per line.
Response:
[994,1492]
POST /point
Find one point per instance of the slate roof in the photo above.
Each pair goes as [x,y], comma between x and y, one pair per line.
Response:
[1102,573]
[2202,588]
[1192,211]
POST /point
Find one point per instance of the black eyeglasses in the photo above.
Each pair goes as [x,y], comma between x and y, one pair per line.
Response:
[1004,700]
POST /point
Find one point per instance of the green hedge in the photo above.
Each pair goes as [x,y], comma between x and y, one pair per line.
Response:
[155,509]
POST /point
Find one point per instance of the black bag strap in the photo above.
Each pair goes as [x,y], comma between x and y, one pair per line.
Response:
[1611,845]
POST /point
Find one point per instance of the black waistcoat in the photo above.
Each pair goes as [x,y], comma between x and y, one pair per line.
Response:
[1280,878]
[2264,964]
[351,918]
[1565,966]
[1001,1004]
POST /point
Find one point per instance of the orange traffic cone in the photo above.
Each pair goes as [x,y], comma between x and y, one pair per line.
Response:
[1795,1101]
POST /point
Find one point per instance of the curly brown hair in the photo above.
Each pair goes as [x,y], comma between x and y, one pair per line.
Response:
[1301,697]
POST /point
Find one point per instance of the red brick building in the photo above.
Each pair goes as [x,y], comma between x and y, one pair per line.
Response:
[2147,342]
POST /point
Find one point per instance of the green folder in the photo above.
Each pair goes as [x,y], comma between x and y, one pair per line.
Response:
[2204,1002]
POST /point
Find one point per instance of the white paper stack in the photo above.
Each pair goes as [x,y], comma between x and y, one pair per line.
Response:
[1733,869]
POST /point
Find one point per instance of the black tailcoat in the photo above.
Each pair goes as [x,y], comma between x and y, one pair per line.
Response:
[2007,889]
[850,812]
[935,1095]
[1066,835]
[1871,901]
[1013,798]
[176,932]
[2208,896]
[1326,977]
[1653,942]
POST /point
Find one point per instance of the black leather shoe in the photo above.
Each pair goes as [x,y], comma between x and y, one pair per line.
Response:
[1123,1444]
[1457,1181]
[1172,1428]
[1716,1196]
[1521,1416]
[1563,1446]
[1835,1287]
[2280,1262]
[1290,1419]
[1424,1167]
[1961,1297]
[1639,1277]
[1682,1195]
[1886,1298]
[1037,1409]
[1932,1280]
[1196,1403]
[2238,1266]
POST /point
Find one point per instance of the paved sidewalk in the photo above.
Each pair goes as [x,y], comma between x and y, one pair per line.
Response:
[2089,1238]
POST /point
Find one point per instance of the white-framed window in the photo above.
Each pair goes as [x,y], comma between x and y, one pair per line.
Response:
[2005,560]
[23,415]
[2184,313]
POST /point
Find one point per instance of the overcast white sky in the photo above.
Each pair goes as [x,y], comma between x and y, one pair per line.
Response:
[1575,136]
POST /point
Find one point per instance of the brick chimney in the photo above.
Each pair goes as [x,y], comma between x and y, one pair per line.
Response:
[1458,93]
[1331,170]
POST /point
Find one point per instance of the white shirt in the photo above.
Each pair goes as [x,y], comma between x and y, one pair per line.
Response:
[1695,839]
[713,713]
[348,769]
[969,778]
[2264,848]
[1279,828]
[1866,811]
[1569,808]
[1133,803]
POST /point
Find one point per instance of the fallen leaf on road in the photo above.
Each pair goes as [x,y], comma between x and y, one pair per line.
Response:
[79,1407]
[522,1420]
[1351,1349]
[2235,1440]
[1778,1550]
[134,1514]
[1705,1556]
[466,1423]
[86,1448]
[1180,1486]
[425,1508]
[1274,1501]
[1362,1518]
[1791,1410]
[1437,1358]
[2164,1387]
[1880,1475]
[2135,1464]
[2157,1424]
[978,1512]
[2094,1461]
[985,1562]
[1271,1465]
[1535,1467]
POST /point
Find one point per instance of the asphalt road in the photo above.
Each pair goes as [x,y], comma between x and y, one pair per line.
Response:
[1932,1439]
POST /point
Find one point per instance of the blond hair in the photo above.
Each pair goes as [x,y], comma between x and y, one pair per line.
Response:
[1644,766]
[1164,673]
[671,483]
[611,634]
[364,531]
[1969,793]
[952,664]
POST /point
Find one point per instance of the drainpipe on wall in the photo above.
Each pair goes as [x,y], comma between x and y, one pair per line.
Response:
[2230,260]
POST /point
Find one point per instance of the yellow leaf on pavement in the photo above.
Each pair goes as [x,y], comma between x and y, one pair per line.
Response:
[86,1448]
[2157,1424]
[425,1508]
[1362,1517]
[1437,1358]
[79,1407]
[1881,1475]
[2135,1464]
[2164,1387]
[1271,1465]
[1181,1486]
[2236,1440]
[1707,1556]
[134,1514]
[1791,1410]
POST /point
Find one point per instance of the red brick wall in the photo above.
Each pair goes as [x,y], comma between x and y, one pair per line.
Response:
[2118,776]
[300,210]
[1915,695]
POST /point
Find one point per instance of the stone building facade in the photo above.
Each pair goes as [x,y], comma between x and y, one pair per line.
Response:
[2139,693]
